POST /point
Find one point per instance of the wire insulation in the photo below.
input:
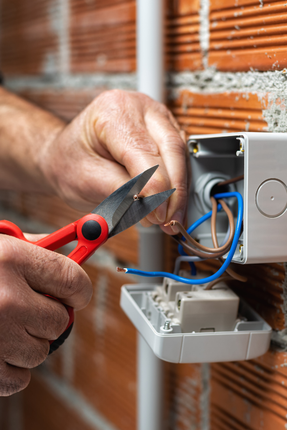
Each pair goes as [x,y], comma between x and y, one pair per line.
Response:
[229,271]
[228,258]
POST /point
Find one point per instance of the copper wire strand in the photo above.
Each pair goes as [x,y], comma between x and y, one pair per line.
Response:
[211,284]
[230,181]
[214,235]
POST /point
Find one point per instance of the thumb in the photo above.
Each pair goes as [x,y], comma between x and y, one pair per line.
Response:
[34,237]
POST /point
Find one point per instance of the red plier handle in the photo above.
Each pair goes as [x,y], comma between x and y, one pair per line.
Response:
[91,231]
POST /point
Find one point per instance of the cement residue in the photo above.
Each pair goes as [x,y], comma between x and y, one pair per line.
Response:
[204,30]
[205,396]
[126,81]
[211,81]
[279,338]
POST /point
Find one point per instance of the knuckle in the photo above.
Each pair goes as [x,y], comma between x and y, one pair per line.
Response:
[111,97]
[138,142]
[75,282]
[68,280]
[7,251]
[10,303]
[54,321]
[33,356]
[176,145]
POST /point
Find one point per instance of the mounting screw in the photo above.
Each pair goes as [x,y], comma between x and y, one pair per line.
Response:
[166,325]
[241,147]
[193,146]
[166,328]
[241,251]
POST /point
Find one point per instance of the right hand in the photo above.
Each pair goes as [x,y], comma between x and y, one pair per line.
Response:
[28,320]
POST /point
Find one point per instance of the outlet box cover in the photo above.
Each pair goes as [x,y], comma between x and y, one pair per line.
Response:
[250,338]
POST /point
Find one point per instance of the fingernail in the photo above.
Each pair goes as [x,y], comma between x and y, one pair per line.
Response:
[160,212]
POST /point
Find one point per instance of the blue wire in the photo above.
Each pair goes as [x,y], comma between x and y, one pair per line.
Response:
[193,268]
[228,258]
[197,224]
[190,229]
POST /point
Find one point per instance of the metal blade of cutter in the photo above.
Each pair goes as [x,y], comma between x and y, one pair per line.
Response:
[115,205]
[140,209]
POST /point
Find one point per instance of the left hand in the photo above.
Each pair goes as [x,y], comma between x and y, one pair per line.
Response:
[119,135]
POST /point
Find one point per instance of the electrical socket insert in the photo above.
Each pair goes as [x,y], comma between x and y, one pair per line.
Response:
[261,158]
[195,334]
[192,309]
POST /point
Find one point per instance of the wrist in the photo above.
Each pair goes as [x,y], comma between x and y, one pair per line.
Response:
[46,160]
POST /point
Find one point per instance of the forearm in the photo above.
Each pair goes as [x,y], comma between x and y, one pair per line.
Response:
[25,131]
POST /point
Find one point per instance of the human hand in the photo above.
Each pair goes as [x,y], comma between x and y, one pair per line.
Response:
[119,135]
[28,320]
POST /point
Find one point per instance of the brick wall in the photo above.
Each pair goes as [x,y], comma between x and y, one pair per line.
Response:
[225,63]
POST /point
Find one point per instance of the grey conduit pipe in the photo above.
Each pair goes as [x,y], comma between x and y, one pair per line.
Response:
[150,74]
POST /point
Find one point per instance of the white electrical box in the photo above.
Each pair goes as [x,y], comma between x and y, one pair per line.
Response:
[187,324]
[262,159]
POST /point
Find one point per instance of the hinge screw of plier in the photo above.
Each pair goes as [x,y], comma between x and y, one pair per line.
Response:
[136,197]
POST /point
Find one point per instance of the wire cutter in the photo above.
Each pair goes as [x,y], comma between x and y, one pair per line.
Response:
[119,211]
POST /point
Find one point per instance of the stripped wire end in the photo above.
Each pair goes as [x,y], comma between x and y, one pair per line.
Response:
[170,223]
[121,269]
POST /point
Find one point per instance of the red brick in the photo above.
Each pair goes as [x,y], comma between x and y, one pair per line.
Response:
[46,411]
[218,113]
[103,39]
[250,395]
[28,41]
[105,352]
[248,35]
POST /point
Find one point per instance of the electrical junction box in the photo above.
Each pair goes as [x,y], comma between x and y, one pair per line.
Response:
[262,159]
[187,324]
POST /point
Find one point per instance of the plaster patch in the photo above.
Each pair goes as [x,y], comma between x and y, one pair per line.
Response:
[100,303]
[204,30]
[126,81]
[59,14]
[205,396]
[279,338]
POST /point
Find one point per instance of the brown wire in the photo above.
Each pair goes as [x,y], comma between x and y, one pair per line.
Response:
[211,284]
[196,252]
[214,235]
[193,242]
[230,181]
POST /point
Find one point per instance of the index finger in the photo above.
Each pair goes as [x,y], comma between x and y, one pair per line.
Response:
[157,141]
